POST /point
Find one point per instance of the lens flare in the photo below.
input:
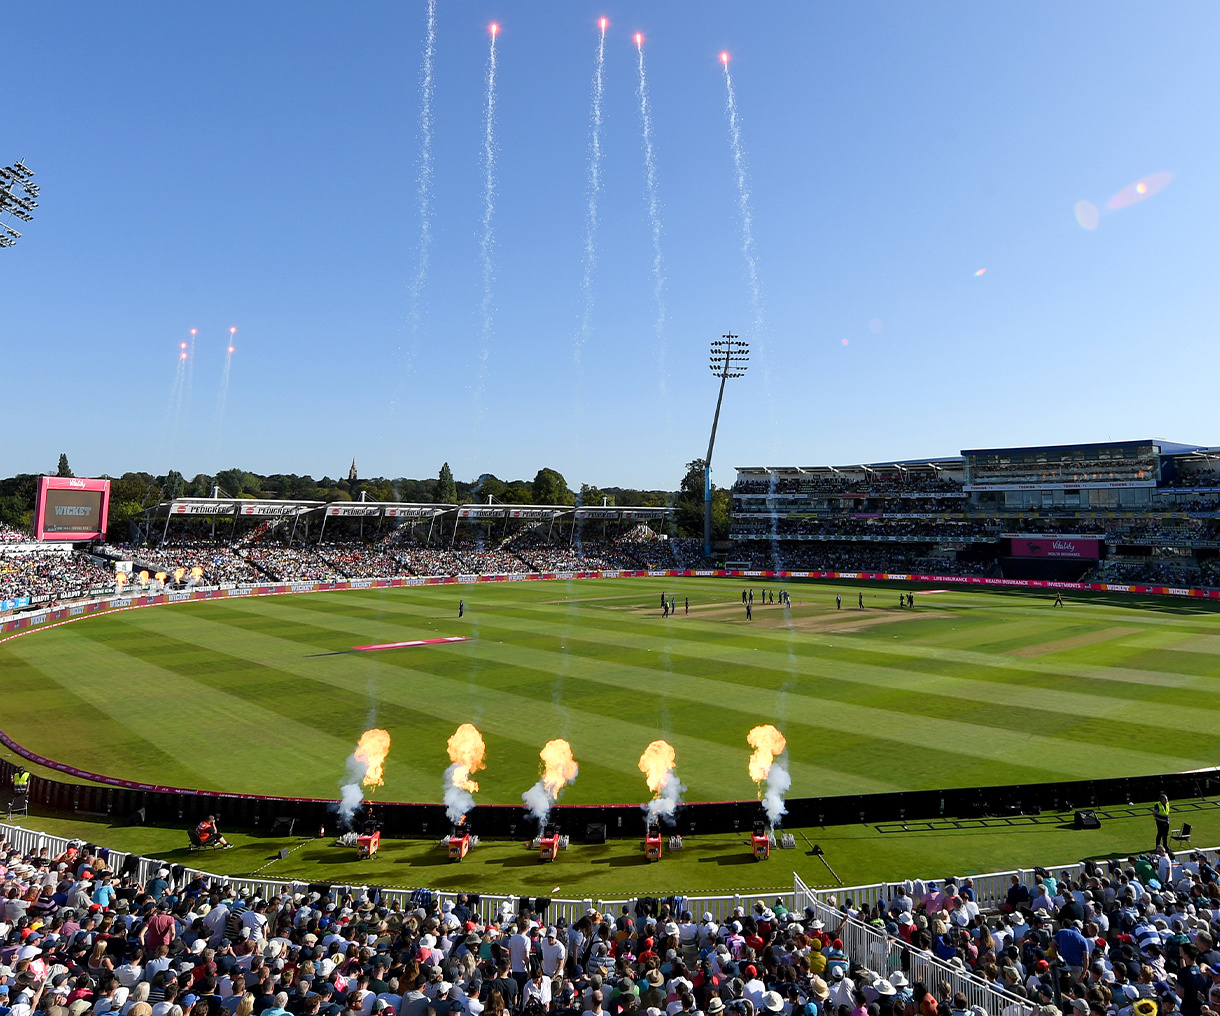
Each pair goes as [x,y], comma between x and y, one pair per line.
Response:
[371,751]
[466,751]
[1087,214]
[1138,191]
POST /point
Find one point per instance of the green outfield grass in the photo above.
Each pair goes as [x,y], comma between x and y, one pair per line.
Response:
[968,688]
[859,855]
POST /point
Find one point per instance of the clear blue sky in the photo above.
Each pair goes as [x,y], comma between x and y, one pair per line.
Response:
[255,165]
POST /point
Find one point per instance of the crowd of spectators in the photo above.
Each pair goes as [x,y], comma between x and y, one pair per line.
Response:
[1127,939]
[220,562]
[355,558]
[51,573]
[788,556]
[10,535]
[584,553]
[290,564]
[1134,938]
[1150,572]
[845,486]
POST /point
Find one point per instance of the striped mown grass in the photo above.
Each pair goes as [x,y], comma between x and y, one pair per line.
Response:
[968,688]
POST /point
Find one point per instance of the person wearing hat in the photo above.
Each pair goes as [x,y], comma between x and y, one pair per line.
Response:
[554,954]
[772,1003]
[653,989]
[714,1007]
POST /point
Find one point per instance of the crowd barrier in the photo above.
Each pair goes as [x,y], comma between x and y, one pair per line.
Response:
[871,947]
[119,797]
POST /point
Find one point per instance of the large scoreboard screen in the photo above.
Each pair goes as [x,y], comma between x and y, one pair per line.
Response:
[69,508]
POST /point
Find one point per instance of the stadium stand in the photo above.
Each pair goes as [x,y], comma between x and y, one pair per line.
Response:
[1142,511]
[1133,937]
[10,535]
[51,574]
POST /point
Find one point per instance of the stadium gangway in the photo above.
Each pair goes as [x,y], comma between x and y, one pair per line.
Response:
[872,948]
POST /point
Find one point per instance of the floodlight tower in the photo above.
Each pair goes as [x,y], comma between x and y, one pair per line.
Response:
[17,196]
[729,358]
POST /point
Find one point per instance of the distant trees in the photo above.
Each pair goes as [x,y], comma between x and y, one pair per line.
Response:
[551,488]
[133,493]
[446,489]
[689,516]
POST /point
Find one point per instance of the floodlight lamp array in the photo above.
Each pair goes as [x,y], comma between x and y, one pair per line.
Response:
[729,357]
[17,196]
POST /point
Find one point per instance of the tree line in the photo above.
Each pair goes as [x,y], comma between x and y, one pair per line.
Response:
[134,492]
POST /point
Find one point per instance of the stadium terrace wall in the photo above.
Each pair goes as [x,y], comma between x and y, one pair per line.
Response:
[118,799]
[121,800]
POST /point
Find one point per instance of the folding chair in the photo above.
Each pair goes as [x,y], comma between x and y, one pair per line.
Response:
[198,844]
[1182,836]
[19,805]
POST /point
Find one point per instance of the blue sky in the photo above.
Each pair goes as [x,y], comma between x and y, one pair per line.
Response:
[255,165]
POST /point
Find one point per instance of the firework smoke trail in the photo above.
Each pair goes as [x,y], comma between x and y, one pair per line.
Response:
[427,89]
[173,410]
[595,186]
[748,250]
[190,370]
[487,242]
[223,398]
[654,214]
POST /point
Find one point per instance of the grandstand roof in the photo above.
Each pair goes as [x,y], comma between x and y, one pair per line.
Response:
[286,508]
[1163,447]
[943,462]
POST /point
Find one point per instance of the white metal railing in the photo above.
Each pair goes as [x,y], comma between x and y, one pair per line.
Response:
[867,943]
[871,947]
[489,905]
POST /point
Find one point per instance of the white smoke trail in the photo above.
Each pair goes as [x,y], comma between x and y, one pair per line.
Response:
[351,794]
[427,89]
[778,782]
[190,373]
[667,801]
[458,800]
[223,397]
[487,241]
[743,199]
[748,250]
[595,184]
[654,219]
[169,432]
